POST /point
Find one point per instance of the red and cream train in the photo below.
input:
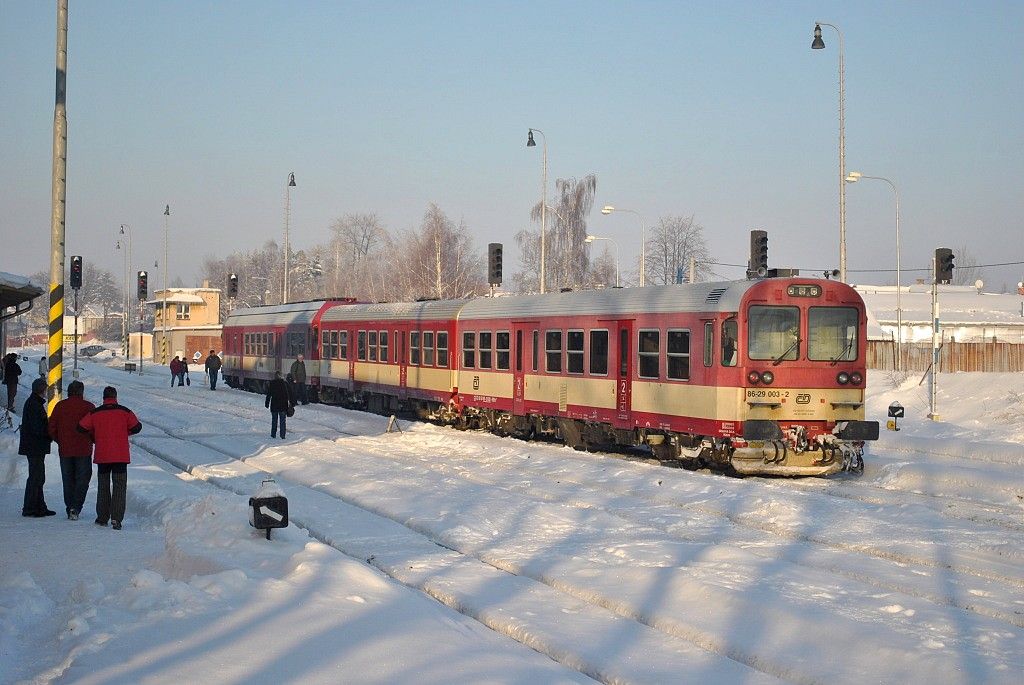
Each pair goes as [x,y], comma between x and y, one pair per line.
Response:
[755,376]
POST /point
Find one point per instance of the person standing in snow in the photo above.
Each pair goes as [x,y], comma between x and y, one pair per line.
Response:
[35,445]
[279,401]
[184,372]
[110,424]
[212,369]
[175,370]
[75,448]
[298,372]
[11,372]
[44,368]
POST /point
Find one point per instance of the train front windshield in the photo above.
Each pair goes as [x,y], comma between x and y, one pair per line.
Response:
[774,334]
[832,334]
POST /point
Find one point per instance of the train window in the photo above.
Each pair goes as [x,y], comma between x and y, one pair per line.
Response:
[442,349]
[599,353]
[361,346]
[648,347]
[536,347]
[383,338]
[342,344]
[729,345]
[486,340]
[501,350]
[553,351]
[709,343]
[325,345]
[295,343]
[414,348]
[519,351]
[678,355]
[574,351]
[773,333]
[468,350]
[428,348]
[832,334]
[623,352]
[372,344]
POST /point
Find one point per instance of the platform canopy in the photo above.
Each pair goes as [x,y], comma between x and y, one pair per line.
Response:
[16,291]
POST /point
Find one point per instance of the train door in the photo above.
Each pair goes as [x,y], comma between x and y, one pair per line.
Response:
[521,338]
[403,363]
[624,371]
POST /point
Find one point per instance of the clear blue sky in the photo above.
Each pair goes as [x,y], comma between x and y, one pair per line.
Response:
[717,110]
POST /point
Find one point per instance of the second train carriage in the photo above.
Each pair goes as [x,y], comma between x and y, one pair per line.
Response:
[762,376]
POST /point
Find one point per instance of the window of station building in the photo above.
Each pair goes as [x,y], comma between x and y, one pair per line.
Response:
[709,343]
[730,347]
[553,351]
[372,342]
[574,351]
[342,344]
[599,352]
[428,348]
[414,348]
[442,349]
[361,346]
[501,350]
[486,343]
[383,346]
[678,355]
[468,350]
[182,312]
[648,349]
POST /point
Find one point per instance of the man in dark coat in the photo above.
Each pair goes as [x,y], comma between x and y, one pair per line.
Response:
[110,424]
[176,372]
[212,368]
[11,372]
[35,445]
[298,372]
[279,400]
[75,447]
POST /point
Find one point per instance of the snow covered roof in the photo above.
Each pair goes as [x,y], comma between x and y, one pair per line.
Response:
[177,298]
[958,305]
[16,290]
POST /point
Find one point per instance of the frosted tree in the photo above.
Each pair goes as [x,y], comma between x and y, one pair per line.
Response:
[670,246]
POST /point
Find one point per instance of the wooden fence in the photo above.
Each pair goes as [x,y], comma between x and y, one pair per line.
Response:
[953,356]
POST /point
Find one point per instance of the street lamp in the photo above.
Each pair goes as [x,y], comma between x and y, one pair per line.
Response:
[543,197]
[126,231]
[608,209]
[853,177]
[163,315]
[287,246]
[591,238]
[819,44]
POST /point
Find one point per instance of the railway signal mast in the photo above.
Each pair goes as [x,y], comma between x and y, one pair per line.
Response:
[942,267]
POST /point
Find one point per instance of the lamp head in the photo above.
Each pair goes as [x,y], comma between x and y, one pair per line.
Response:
[607,209]
[853,176]
[817,43]
[291,180]
[167,210]
[530,142]
[590,239]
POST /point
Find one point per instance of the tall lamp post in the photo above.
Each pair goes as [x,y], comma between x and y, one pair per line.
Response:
[853,177]
[591,238]
[608,209]
[126,231]
[819,44]
[287,245]
[543,197]
[163,313]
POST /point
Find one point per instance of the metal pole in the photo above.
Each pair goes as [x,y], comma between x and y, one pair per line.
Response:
[141,305]
[163,315]
[932,380]
[693,270]
[126,231]
[287,242]
[55,348]
[75,373]
[842,149]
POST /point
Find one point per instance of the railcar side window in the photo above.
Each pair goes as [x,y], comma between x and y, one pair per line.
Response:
[709,343]
[519,351]
[832,334]
[648,347]
[486,341]
[342,344]
[428,348]
[678,353]
[773,333]
[501,350]
[383,346]
[442,349]
[553,351]
[536,348]
[295,343]
[468,350]
[574,351]
[414,348]
[599,353]
[373,345]
[729,345]
[361,346]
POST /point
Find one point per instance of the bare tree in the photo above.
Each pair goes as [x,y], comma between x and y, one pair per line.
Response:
[966,270]
[355,238]
[565,259]
[527,279]
[440,260]
[673,242]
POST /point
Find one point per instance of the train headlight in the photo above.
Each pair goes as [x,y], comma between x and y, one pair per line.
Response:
[843,378]
[753,378]
[767,377]
[856,378]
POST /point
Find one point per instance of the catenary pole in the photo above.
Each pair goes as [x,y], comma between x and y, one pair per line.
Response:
[55,346]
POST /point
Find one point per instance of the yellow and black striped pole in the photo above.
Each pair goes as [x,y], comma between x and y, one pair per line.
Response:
[55,346]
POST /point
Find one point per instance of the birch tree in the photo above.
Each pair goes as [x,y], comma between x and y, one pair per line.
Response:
[439,259]
[565,253]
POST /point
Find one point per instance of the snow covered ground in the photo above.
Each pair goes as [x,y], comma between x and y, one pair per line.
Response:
[436,556]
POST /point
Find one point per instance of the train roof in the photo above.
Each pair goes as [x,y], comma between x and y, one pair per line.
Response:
[278,315]
[721,296]
[429,310]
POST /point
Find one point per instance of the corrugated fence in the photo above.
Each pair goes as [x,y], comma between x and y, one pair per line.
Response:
[953,356]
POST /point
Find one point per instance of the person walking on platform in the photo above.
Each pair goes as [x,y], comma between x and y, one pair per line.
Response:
[213,369]
[280,402]
[176,374]
[35,445]
[11,372]
[298,372]
[75,448]
[110,424]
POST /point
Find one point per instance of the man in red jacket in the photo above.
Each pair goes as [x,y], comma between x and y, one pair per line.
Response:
[110,424]
[75,447]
